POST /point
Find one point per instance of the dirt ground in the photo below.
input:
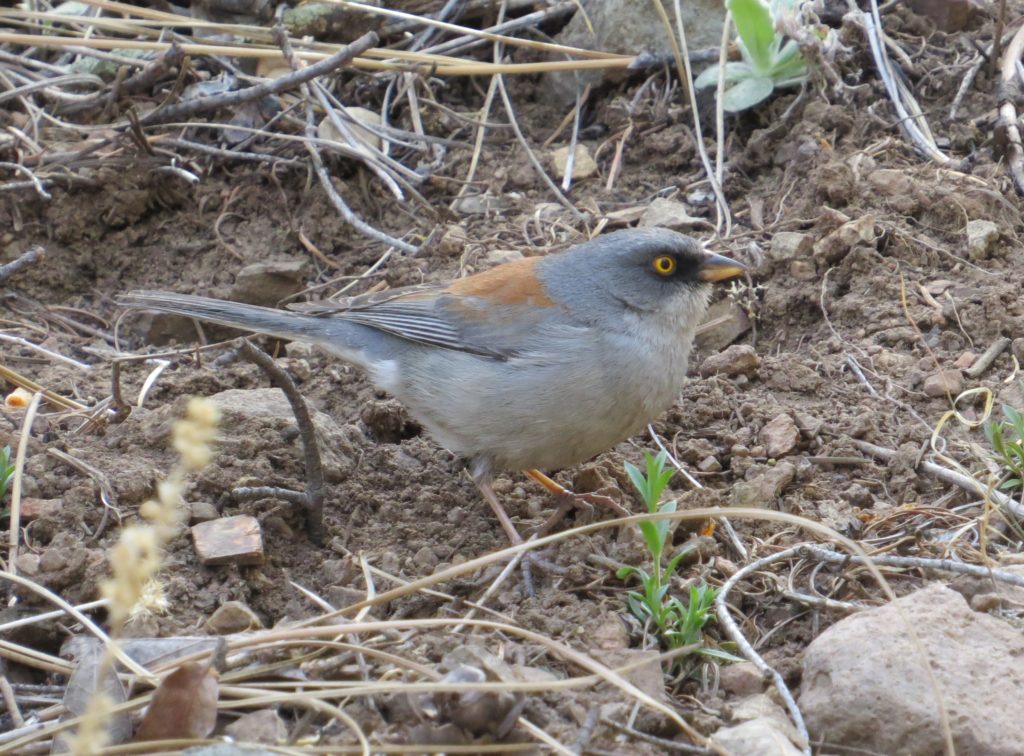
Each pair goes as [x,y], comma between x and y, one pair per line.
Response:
[902,301]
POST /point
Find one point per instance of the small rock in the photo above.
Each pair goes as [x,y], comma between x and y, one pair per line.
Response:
[739,359]
[1017,349]
[481,204]
[724,322]
[965,360]
[981,237]
[233,617]
[755,737]
[267,283]
[789,245]
[502,256]
[27,564]
[780,436]
[229,540]
[202,511]
[809,425]
[741,679]
[666,213]
[763,489]
[261,726]
[803,270]
[453,241]
[425,560]
[944,382]
[583,165]
[709,464]
[365,138]
[838,244]
[33,509]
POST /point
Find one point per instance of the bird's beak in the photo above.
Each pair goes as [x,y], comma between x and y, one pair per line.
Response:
[718,268]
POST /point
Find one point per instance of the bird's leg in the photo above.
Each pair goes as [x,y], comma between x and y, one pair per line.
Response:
[484,484]
[570,499]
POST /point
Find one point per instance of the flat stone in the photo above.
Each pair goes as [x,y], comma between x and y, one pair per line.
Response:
[787,245]
[229,540]
[583,165]
[233,617]
[741,679]
[202,511]
[868,669]
[944,382]
[780,436]
[763,489]
[709,464]
[267,283]
[667,213]
[755,737]
[739,359]
[723,324]
[261,726]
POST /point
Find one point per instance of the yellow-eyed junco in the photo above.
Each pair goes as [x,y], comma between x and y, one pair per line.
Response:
[542,362]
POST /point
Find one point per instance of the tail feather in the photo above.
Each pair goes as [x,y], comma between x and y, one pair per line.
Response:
[288,325]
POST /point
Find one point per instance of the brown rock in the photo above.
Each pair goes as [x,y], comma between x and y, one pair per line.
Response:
[789,245]
[780,436]
[725,322]
[583,167]
[202,511]
[741,679]
[267,283]
[709,464]
[33,509]
[262,726]
[233,617]
[229,540]
[739,359]
[965,360]
[944,382]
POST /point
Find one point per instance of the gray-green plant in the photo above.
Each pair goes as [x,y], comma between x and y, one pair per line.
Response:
[675,622]
[1007,440]
[769,61]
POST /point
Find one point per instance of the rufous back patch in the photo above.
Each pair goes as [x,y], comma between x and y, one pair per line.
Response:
[513,283]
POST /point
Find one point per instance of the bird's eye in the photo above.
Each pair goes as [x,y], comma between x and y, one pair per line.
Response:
[664,265]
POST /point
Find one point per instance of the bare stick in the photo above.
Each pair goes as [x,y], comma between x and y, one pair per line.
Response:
[313,498]
[733,630]
[31,257]
[988,357]
[293,80]
[1008,90]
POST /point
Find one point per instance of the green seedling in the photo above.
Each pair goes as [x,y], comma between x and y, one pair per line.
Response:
[769,61]
[6,471]
[1007,440]
[677,624]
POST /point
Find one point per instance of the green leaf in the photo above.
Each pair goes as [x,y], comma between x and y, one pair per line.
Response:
[637,479]
[718,653]
[746,94]
[674,561]
[756,31]
[653,539]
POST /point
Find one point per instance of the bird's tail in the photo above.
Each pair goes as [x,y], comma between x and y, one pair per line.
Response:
[288,325]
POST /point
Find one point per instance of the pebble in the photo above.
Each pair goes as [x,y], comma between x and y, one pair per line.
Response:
[788,245]
[267,283]
[667,213]
[739,359]
[763,489]
[709,464]
[780,436]
[965,360]
[741,679]
[583,166]
[262,726]
[981,238]
[944,382]
[233,617]
[33,509]
[202,511]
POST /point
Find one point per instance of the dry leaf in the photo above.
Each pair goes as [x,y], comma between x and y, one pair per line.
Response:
[183,706]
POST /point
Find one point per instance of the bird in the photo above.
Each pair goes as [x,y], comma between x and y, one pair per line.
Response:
[537,364]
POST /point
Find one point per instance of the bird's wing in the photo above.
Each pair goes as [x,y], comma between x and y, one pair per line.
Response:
[495,314]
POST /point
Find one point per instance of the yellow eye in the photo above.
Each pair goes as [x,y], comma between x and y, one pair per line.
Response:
[665,265]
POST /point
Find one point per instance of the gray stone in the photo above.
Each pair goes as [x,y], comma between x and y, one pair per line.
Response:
[667,213]
[981,238]
[763,489]
[630,27]
[262,726]
[870,669]
[787,245]
[780,436]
